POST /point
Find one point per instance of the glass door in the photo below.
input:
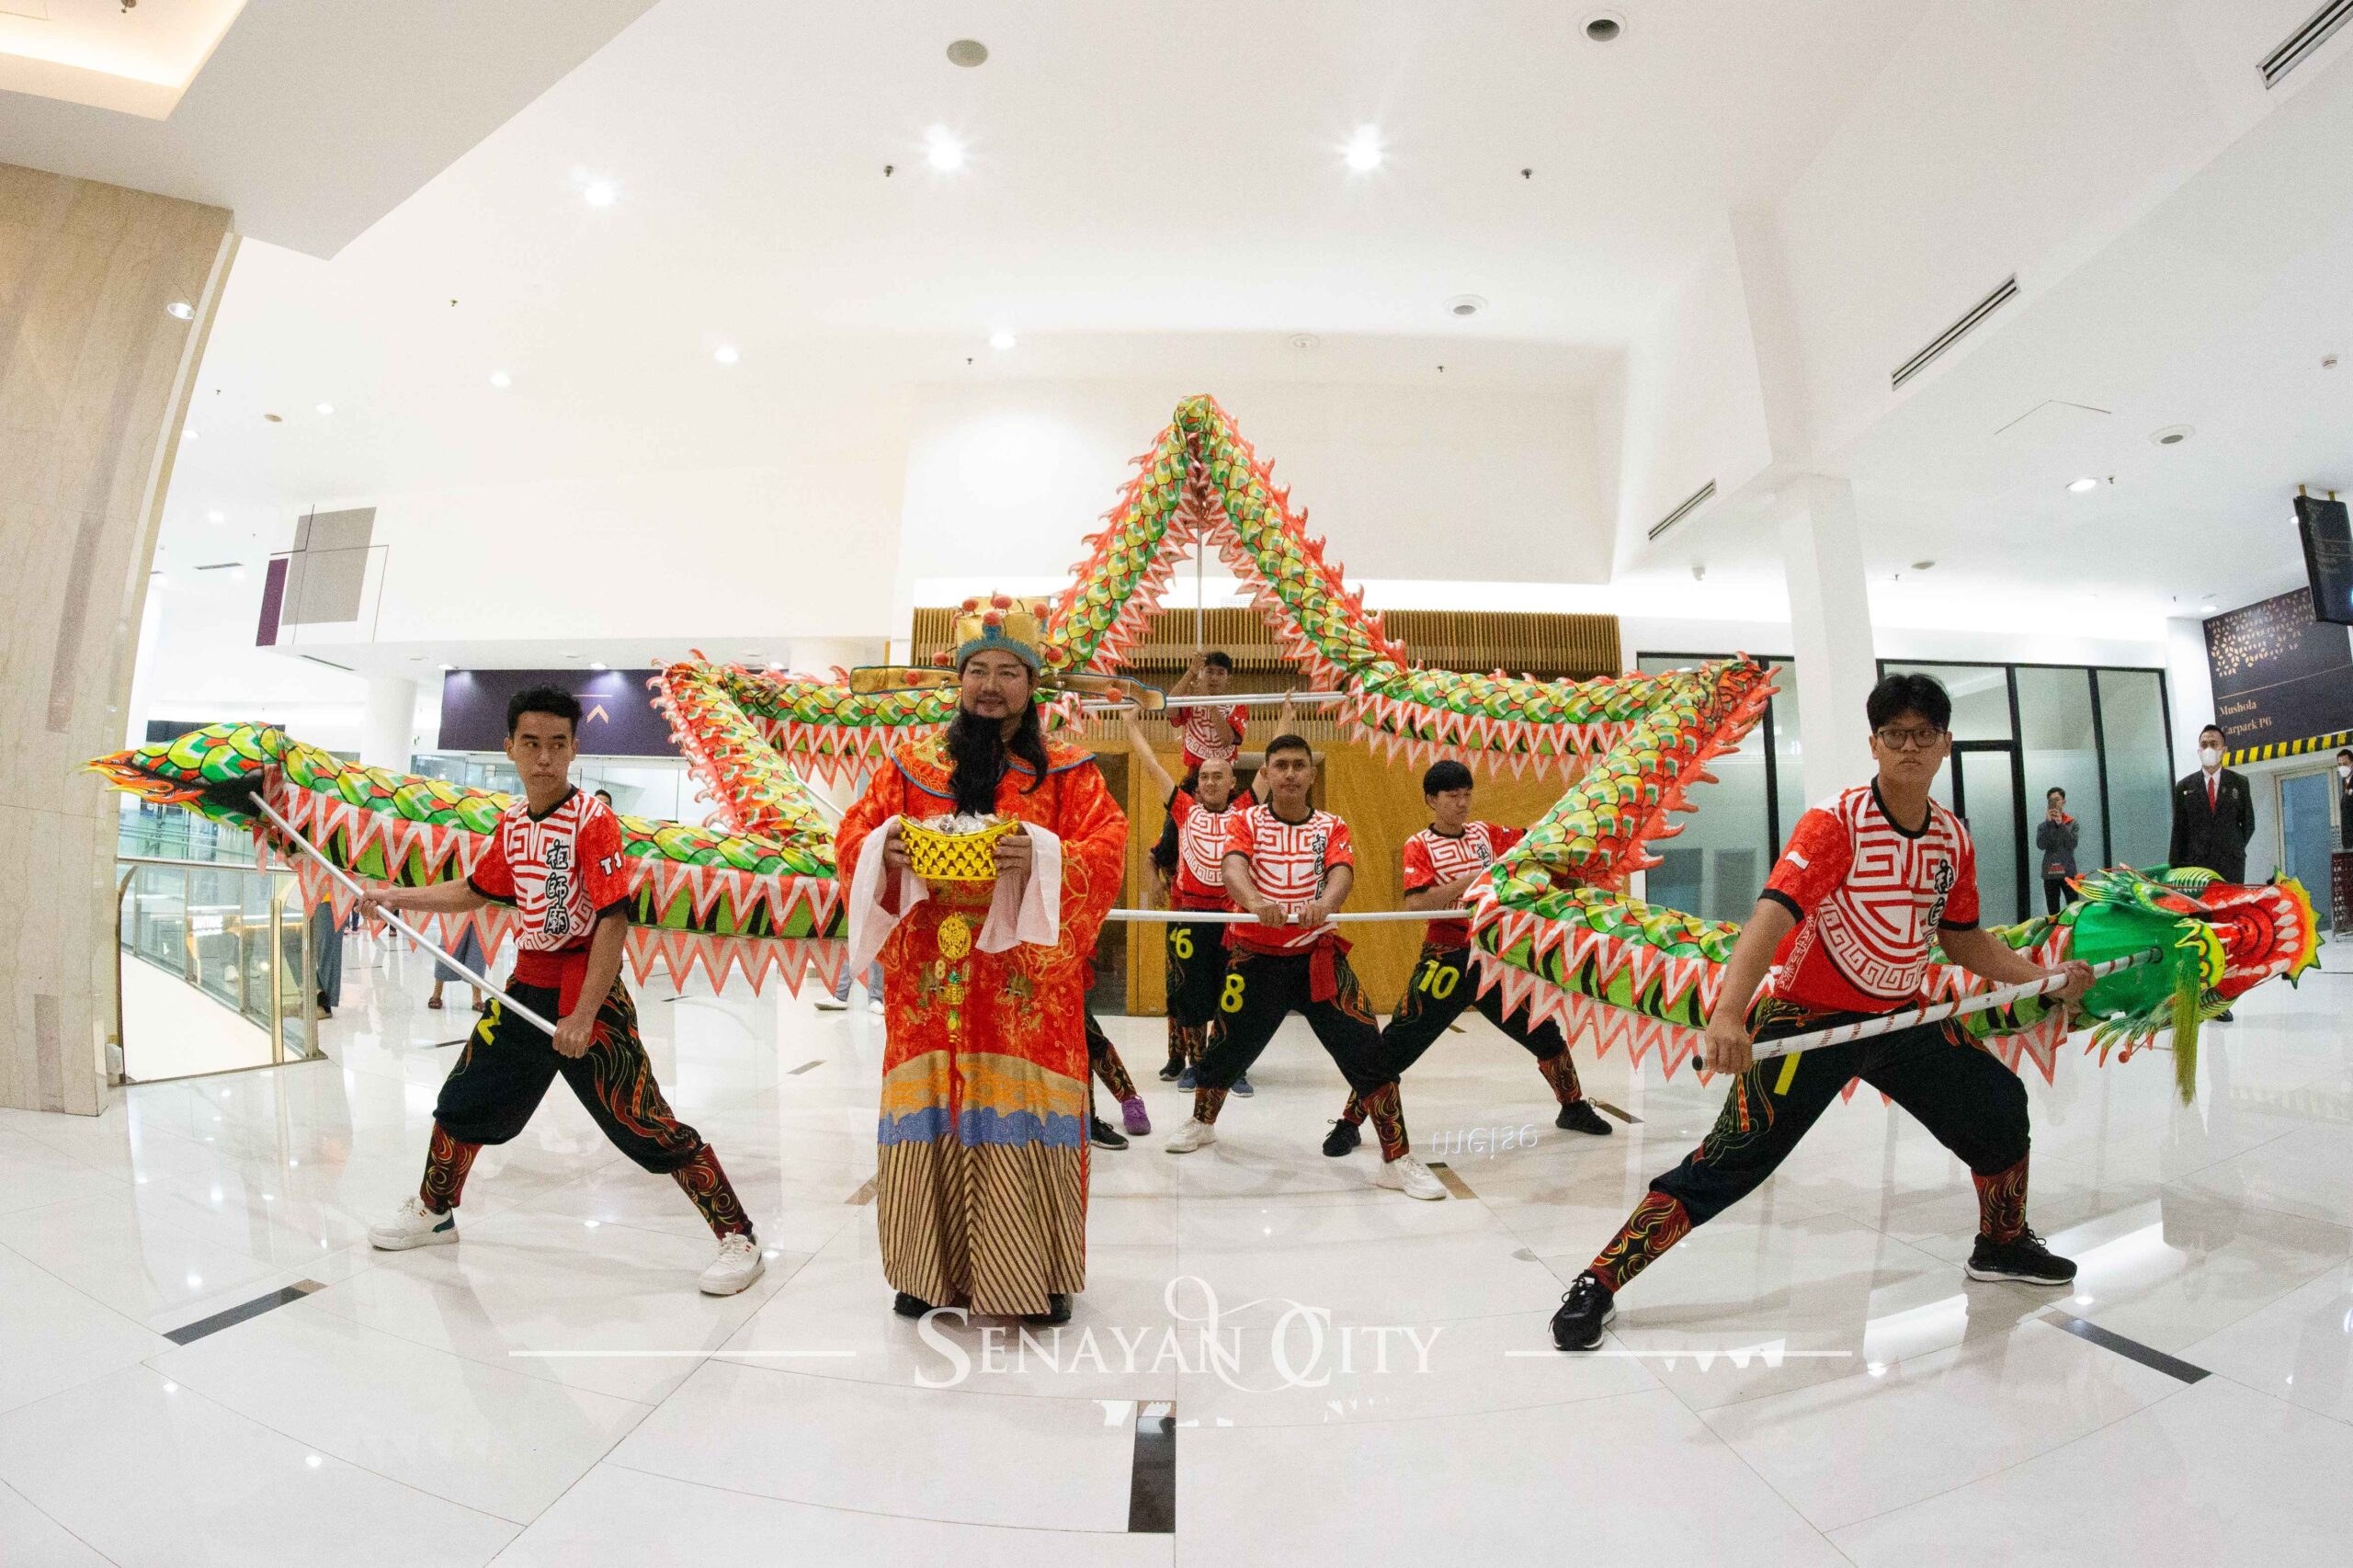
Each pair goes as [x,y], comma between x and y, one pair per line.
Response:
[2304,836]
[1984,792]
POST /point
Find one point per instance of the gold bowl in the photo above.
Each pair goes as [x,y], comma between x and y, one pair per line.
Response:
[938,857]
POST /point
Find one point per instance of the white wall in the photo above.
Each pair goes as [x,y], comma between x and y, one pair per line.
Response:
[1003,479]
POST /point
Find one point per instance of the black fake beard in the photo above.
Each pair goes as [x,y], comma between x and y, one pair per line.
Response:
[979,754]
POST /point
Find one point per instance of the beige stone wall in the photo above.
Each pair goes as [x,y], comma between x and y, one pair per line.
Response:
[95,377]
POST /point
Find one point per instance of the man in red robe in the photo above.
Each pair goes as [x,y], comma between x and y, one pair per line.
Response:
[980,1183]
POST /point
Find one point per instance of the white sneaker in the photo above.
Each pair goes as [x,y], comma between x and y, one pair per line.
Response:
[829,1003]
[1410,1177]
[412,1225]
[1195,1134]
[874,1005]
[737,1265]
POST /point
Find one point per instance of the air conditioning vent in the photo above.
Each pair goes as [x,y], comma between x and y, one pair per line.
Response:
[1960,329]
[2298,46]
[1698,498]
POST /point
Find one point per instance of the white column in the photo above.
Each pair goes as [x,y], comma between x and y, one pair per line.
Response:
[2189,680]
[1830,631]
[392,723]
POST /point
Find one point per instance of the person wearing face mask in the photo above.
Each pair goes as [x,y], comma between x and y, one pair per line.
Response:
[2344,798]
[2213,816]
[2056,836]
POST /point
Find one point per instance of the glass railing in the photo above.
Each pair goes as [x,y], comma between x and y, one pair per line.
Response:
[232,932]
[174,833]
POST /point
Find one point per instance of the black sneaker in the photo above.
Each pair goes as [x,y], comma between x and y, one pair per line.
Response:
[1343,1138]
[1101,1133]
[1174,1071]
[2226,1016]
[1241,1086]
[908,1306]
[1578,1116]
[1057,1311]
[1586,1311]
[2026,1261]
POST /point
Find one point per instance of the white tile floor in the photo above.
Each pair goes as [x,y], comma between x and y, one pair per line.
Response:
[1809,1380]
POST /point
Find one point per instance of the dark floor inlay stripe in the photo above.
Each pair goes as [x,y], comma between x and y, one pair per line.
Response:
[819,1061]
[2131,1349]
[1449,1180]
[1627,1117]
[188,1334]
[1151,1483]
[863,1194]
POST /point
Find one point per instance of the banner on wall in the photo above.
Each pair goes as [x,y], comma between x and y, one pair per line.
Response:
[617,713]
[2283,682]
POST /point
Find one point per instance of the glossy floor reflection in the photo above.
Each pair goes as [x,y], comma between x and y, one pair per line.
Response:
[1352,1375]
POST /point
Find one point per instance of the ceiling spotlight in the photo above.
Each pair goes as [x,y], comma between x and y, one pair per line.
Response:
[600,193]
[599,664]
[942,151]
[181,309]
[326,408]
[1001,340]
[2080,485]
[1922,565]
[449,666]
[2328,361]
[2205,609]
[1305,341]
[501,380]
[726,354]
[274,418]
[187,434]
[968,53]
[216,516]
[1605,27]
[1465,305]
[2171,436]
[1364,152]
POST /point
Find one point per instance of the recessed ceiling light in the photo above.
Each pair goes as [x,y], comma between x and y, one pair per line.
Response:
[326,408]
[2080,485]
[968,53]
[726,354]
[572,655]
[942,151]
[216,516]
[181,309]
[1305,341]
[1465,305]
[2328,361]
[274,418]
[1606,27]
[501,380]
[449,666]
[599,664]
[1364,152]
[187,434]
[2205,609]
[1922,565]
[1001,339]
[600,193]
[236,574]
[416,658]
[2171,435]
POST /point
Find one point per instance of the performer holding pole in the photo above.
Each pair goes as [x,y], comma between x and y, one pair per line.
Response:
[1867,882]
[1441,861]
[1201,812]
[1289,867]
[556,857]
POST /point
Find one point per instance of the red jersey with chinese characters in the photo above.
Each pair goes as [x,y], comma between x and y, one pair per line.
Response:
[1432,858]
[1289,863]
[1200,853]
[1870,898]
[560,871]
[1213,735]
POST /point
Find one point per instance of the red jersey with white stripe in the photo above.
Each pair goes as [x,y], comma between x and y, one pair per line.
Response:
[1432,858]
[1200,853]
[1289,864]
[560,871]
[1212,735]
[1869,899]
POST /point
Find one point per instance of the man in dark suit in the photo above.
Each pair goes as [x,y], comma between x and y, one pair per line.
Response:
[2213,816]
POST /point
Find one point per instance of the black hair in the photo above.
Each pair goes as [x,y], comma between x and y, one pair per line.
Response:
[1289,742]
[605,795]
[2055,789]
[2214,729]
[1221,658]
[1445,774]
[2343,752]
[552,700]
[1897,695]
[979,754]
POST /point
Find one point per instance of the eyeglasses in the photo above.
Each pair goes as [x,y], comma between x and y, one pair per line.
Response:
[1909,740]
